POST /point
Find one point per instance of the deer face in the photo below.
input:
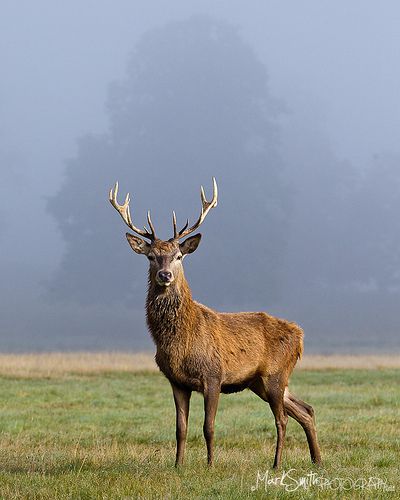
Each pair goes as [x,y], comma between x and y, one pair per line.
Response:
[165,257]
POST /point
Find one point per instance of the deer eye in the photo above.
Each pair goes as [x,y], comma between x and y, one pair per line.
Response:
[150,257]
[179,257]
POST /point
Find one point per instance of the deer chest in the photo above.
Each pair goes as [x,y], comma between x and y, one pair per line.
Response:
[189,369]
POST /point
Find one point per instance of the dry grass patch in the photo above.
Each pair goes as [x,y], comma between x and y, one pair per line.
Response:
[343,361]
[75,363]
[56,364]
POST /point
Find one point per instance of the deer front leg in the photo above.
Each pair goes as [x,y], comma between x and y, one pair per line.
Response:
[182,400]
[212,390]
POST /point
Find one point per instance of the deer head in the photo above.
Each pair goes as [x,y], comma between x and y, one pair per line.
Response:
[165,257]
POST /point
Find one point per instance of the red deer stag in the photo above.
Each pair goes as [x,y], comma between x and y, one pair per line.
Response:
[199,349]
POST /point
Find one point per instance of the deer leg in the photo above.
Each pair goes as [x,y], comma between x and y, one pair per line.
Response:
[304,414]
[272,393]
[182,400]
[212,390]
[275,390]
[257,386]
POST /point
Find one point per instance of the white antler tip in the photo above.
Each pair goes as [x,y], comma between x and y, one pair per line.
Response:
[215,189]
[113,192]
[202,194]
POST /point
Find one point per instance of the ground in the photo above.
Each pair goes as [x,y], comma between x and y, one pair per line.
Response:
[102,426]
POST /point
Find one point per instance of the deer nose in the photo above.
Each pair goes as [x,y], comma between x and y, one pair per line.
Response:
[165,276]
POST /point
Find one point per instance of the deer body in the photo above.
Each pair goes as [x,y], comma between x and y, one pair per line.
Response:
[199,349]
[193,340]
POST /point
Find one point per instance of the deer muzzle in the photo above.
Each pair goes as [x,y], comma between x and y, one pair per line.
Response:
[165,278]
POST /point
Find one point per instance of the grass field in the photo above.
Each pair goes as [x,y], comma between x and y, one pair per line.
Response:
[102,426]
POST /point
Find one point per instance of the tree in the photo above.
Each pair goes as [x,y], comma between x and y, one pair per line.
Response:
[194,103]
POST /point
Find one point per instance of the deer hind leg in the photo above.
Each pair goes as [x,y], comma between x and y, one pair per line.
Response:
[258,387]
[275,391]
[271,390]
[304,414]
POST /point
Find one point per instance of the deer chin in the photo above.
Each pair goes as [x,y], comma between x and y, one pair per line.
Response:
[164,284]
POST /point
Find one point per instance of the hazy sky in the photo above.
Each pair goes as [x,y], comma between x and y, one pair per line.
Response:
[334,62]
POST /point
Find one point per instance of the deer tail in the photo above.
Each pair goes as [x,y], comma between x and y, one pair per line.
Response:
[300,345]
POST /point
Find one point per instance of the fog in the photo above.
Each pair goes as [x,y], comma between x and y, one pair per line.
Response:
[292,106]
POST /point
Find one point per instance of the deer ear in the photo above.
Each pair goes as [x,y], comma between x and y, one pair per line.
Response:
[190,244]
[137,244]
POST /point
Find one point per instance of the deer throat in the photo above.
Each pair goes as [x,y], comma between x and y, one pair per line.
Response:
[169,315]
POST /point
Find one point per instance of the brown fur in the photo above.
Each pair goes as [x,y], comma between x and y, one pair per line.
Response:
[199,349]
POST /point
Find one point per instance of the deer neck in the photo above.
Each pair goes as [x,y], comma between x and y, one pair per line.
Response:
[170,311]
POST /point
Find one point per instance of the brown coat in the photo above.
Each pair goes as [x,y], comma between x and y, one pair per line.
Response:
[199,349]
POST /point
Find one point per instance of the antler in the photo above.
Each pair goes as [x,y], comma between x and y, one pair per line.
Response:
[206,206]
[125,214]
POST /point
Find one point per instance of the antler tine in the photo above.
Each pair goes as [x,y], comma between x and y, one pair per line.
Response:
[206,206]
[185,226]
[174,224]
[153,232]
[124,212]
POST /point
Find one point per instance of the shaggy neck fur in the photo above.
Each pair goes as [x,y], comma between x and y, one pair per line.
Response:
[170,311]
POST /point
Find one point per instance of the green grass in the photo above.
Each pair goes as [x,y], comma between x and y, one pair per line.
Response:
[112,436]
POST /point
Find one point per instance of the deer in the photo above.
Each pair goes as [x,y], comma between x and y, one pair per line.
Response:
[200,349]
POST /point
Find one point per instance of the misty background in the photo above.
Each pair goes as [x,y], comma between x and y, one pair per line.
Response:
[294,108]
